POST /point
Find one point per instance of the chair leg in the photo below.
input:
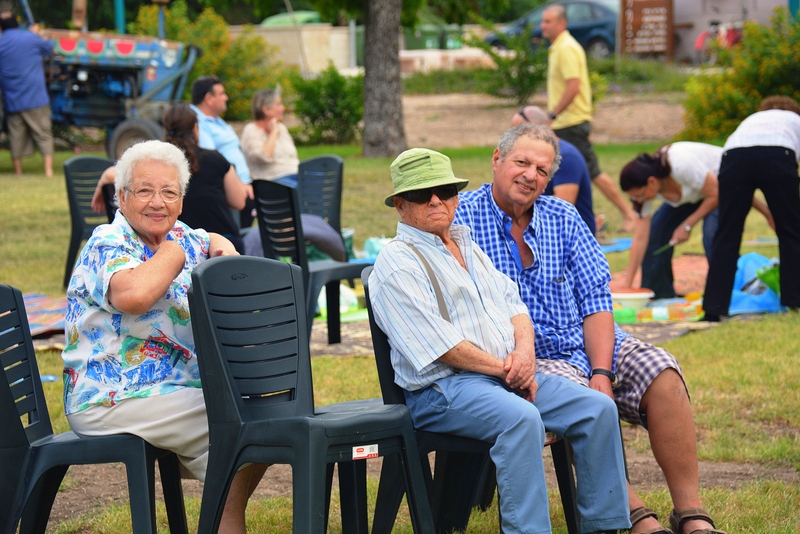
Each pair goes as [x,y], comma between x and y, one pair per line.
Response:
[416,493]
[562,460]
[487,485]
[168,467]
[455,483]
[219,476]
[142,490]
[334,315]
[353,496]
[390,494]
[36,511]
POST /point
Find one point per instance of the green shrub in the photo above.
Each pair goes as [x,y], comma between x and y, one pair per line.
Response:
[245,64]
[329,107]
[763,64]
[631,75]
[437,82]
[521,68]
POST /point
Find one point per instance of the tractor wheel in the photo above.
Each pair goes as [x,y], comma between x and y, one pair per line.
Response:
[132,131]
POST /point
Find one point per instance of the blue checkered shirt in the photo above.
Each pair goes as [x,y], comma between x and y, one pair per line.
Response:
[569,276]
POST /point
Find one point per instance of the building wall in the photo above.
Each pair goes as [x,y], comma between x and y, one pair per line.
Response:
[692,17]
[321,44]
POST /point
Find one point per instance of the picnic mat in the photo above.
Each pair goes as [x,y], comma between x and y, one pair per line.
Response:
[617,244]
[45,314]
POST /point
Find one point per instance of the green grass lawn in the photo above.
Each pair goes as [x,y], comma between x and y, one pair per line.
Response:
[743,376]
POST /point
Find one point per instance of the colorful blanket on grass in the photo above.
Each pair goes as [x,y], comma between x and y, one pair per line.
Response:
[45,314]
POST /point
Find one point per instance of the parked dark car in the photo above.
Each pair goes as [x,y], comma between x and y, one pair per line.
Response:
[593,23]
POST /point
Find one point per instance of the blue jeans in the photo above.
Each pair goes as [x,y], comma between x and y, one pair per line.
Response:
[657,270]
[481,407]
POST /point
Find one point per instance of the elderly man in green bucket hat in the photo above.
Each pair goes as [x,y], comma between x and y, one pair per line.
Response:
[462,350]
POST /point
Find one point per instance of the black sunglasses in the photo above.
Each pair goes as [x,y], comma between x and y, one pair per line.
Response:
[423,196]
[521,112]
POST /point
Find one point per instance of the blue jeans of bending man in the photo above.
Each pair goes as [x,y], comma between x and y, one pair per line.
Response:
[657,270]
[481,407]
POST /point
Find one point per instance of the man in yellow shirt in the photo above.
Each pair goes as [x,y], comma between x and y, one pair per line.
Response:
[569,101]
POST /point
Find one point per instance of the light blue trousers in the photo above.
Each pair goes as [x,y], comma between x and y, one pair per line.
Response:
[481,407]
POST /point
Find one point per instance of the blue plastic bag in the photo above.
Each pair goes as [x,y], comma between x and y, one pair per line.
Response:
[766,301]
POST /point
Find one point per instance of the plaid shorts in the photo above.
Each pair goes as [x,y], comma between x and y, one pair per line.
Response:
[638,364]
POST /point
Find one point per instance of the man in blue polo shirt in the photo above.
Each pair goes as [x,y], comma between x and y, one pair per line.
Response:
[27,104]
[209,101]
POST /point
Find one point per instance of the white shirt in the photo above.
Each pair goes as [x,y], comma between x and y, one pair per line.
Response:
[774,127]
[480,300]
[690,163]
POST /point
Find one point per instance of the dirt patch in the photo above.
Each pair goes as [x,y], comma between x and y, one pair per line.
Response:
[456,120]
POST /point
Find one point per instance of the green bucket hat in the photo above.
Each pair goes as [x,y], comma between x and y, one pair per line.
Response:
[420,168]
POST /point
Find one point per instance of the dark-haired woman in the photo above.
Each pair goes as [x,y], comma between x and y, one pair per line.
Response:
[213,189]
[684,176]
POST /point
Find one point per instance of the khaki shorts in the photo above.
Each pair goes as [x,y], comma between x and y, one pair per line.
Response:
[176,422]
[28,126]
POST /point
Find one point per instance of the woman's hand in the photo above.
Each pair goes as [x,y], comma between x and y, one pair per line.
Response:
[98,201]
[680,235]
[220,246]
[271,127]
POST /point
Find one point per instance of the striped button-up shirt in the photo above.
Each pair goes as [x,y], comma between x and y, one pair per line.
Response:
[569,276]
[480,300]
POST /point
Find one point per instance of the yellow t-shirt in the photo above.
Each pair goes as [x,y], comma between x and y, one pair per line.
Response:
[566,59]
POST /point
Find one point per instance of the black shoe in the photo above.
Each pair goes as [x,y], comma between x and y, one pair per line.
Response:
[711,318]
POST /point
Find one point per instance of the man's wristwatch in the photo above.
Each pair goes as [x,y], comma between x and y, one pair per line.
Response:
[605,372]
[552,116]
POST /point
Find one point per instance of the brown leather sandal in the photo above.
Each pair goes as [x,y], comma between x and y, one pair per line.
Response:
[643,513]
[677,520]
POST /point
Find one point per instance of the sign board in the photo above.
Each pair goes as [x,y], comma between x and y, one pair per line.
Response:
[647,27]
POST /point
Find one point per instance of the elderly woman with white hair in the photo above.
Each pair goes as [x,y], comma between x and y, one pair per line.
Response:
[266,142]
[129,360]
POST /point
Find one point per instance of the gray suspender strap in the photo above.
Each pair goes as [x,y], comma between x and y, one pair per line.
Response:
[434,281]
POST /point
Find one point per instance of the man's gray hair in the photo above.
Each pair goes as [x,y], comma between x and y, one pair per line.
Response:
[559,10]
[534,131]
[264,98]
[158,151]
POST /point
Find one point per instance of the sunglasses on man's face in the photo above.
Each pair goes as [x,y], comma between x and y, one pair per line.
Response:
[423,196]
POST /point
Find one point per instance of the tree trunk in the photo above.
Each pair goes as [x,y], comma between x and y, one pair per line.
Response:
[384,131]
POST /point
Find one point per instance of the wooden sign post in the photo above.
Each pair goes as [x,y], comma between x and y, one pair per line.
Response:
[647,27]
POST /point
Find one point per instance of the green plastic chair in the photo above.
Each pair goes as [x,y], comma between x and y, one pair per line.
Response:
[249,323]
[34,460]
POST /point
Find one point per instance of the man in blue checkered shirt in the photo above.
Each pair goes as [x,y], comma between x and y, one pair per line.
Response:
[542,244]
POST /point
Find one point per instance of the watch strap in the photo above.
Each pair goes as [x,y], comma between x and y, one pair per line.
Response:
[605,372]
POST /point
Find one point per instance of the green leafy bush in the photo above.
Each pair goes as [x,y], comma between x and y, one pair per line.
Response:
[330,107]
[437,82]
[245,63]
[631,75]
[521,68]
[763,64]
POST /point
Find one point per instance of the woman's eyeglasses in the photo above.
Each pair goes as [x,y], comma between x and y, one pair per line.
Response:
[423,196]
[145,194]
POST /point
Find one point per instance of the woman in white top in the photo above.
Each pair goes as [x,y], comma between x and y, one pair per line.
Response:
[683,176]
[267,145]
[761,154]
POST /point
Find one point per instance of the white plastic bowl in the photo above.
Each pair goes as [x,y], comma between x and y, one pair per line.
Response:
[635,298]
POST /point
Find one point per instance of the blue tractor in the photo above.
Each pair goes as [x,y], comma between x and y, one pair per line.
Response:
[121,83]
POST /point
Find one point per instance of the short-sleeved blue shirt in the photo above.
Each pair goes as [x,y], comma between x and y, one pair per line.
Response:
[573,170]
